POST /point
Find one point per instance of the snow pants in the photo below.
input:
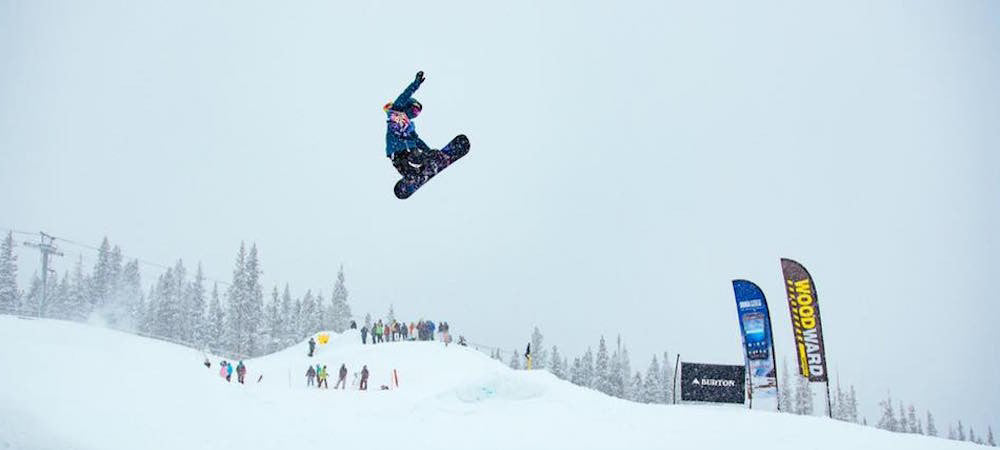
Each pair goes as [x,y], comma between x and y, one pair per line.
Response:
[341,383]
[408,162]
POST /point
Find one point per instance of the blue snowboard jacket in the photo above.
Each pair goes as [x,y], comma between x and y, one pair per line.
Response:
[400,133]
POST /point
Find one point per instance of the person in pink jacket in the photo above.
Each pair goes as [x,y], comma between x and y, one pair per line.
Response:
[222,370]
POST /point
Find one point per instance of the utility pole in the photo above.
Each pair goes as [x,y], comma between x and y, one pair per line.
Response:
[46,247]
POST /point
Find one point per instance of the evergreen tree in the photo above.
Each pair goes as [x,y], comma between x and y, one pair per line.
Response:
[989,437]
[287,324]
[216,322]
[539,358]
[931,429]
[128,296]
[625,364]
[576,372]
[10,296]
[101,279]
[116,308]
[147,313]
[951,433]
[299,321]
[904,425]
[961,431]
[651,386]
[839,402]
[785,389]
[557,368]
[196,306]
[237,327]
[171,317]
[255,302]
[77,307]
[635,389]
[274,320]
[666,381]
[852,406]
[341,310]
[803,396]
[615,380]
[391,317]
[913,424]
[888,420]
[515,360]
[60,298]
[602,369]
[972,436]
[323,312]
[587,375]
[310,315]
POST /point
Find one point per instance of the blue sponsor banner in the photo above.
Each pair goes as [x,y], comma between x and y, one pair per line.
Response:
[758,342]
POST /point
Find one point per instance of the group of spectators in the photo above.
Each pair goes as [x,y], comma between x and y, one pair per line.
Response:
[422,330]
[316,376]
[226,370]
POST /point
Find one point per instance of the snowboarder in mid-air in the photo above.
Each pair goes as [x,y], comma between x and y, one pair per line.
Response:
[411,157]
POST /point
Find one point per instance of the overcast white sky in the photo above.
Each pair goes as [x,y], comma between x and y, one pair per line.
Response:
[628,160]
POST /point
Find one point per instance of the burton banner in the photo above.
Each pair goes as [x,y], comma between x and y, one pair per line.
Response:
[803,305]
[712,383]
[758,343]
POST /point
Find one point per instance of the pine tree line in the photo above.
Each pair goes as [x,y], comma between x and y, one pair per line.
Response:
[178,307]
[608,371]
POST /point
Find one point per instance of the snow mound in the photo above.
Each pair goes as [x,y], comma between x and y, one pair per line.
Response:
[71,386]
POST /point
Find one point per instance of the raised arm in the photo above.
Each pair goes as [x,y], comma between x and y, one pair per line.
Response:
[403,98]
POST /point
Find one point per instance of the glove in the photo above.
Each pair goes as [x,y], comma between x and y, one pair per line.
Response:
[420,77]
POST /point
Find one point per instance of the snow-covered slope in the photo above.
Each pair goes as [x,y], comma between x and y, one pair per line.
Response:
[65,385]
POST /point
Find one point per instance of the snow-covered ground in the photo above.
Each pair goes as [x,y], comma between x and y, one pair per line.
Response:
[69,386]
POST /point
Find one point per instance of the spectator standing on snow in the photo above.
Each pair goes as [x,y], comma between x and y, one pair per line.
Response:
[322,378]
[364,378]
[387,332]
[430,330]
[310,376]
[378,332]
[342,377]
[229,372]
[241,372]
[364,335]
[222,369]
[312,347]
[411,330]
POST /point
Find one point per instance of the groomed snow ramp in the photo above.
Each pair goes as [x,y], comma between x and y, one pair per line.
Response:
[72,386]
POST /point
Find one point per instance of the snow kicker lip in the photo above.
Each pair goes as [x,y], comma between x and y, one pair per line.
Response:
[502,387]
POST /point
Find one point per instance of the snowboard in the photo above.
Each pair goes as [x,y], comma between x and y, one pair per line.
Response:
[437,162]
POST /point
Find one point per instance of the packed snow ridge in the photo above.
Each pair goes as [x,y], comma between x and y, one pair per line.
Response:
[71,386]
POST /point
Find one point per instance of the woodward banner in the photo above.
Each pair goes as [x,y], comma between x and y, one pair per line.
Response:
[803,304]
[758,342]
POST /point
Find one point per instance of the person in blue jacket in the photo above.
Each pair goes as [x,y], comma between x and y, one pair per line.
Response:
[402,144]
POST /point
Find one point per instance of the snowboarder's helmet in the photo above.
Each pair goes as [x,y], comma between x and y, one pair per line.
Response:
[415,107]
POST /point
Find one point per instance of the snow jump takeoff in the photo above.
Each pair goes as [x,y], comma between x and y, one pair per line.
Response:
[414,160]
